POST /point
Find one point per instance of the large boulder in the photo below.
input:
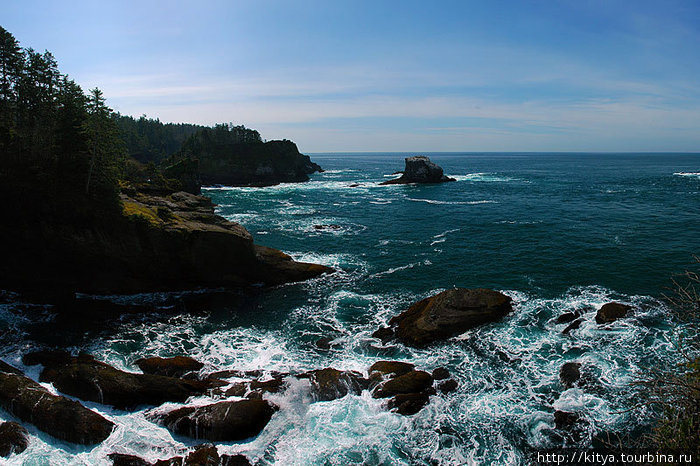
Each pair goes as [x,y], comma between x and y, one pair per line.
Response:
[420,169]
[169,367]
[92,380]
[13,438]
[410,382]
[448,314]
[610,312]
[56,415]
[227,421]
[330,384]
[203,455]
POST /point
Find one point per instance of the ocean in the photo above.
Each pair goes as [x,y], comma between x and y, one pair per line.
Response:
[556,232]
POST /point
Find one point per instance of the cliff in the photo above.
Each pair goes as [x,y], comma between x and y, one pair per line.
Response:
[157,242]
[253,163]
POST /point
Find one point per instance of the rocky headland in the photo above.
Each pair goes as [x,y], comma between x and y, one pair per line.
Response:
[157,242]
[254,163]
[420,170]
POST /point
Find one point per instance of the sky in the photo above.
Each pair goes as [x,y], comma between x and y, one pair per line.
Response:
[405,76]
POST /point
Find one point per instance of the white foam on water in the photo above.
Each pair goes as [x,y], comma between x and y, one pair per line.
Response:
[688,174]
[434,201]
[507,374]
[483,177]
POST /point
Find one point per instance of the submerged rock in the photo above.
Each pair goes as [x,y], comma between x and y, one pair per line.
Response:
[448,314]
[227,421]
[570,373]
[56,415]
[92,380]
[420,169]
[565,420]
[440,373]
[13,438]
[177,366]
[572,326]
[447,386]
[610,312]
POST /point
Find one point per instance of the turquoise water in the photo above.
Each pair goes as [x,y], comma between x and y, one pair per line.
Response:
[556,232]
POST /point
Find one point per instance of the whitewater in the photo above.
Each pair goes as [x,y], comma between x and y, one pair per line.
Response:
[555,232]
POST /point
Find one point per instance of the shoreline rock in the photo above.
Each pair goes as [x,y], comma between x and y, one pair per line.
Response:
[420,169]
[90,380]
[167,242]
[226,421]
[14,438]
[56,415]
[447,314]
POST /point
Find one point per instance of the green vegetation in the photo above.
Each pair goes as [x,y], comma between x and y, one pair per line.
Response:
[676,391]
[60,149]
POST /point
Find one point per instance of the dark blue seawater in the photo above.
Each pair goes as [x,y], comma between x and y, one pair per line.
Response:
[556,232]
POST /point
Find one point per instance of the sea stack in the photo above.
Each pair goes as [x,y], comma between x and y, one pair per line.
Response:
[420,169]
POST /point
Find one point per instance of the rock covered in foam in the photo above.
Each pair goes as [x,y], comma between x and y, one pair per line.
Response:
[420,169]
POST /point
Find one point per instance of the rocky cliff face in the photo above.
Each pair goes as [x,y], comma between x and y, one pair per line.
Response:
[255,164]
[159,242]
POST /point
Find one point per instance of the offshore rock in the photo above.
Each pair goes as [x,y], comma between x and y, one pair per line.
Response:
[177,366]
[610,312]
[448,314]
[227,421]
[92,380]
[13,438]
[391,368]
[256,388]
[58,416]
[420,169]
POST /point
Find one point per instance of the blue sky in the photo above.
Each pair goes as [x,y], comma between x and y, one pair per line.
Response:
[409,76]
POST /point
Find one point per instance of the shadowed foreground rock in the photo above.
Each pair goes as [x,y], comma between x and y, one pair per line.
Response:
[448,314]
[56,415]
[157,242]
[169,367]
[203,455]
[13,438]
[420,169]
[226,421]
[92,380]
